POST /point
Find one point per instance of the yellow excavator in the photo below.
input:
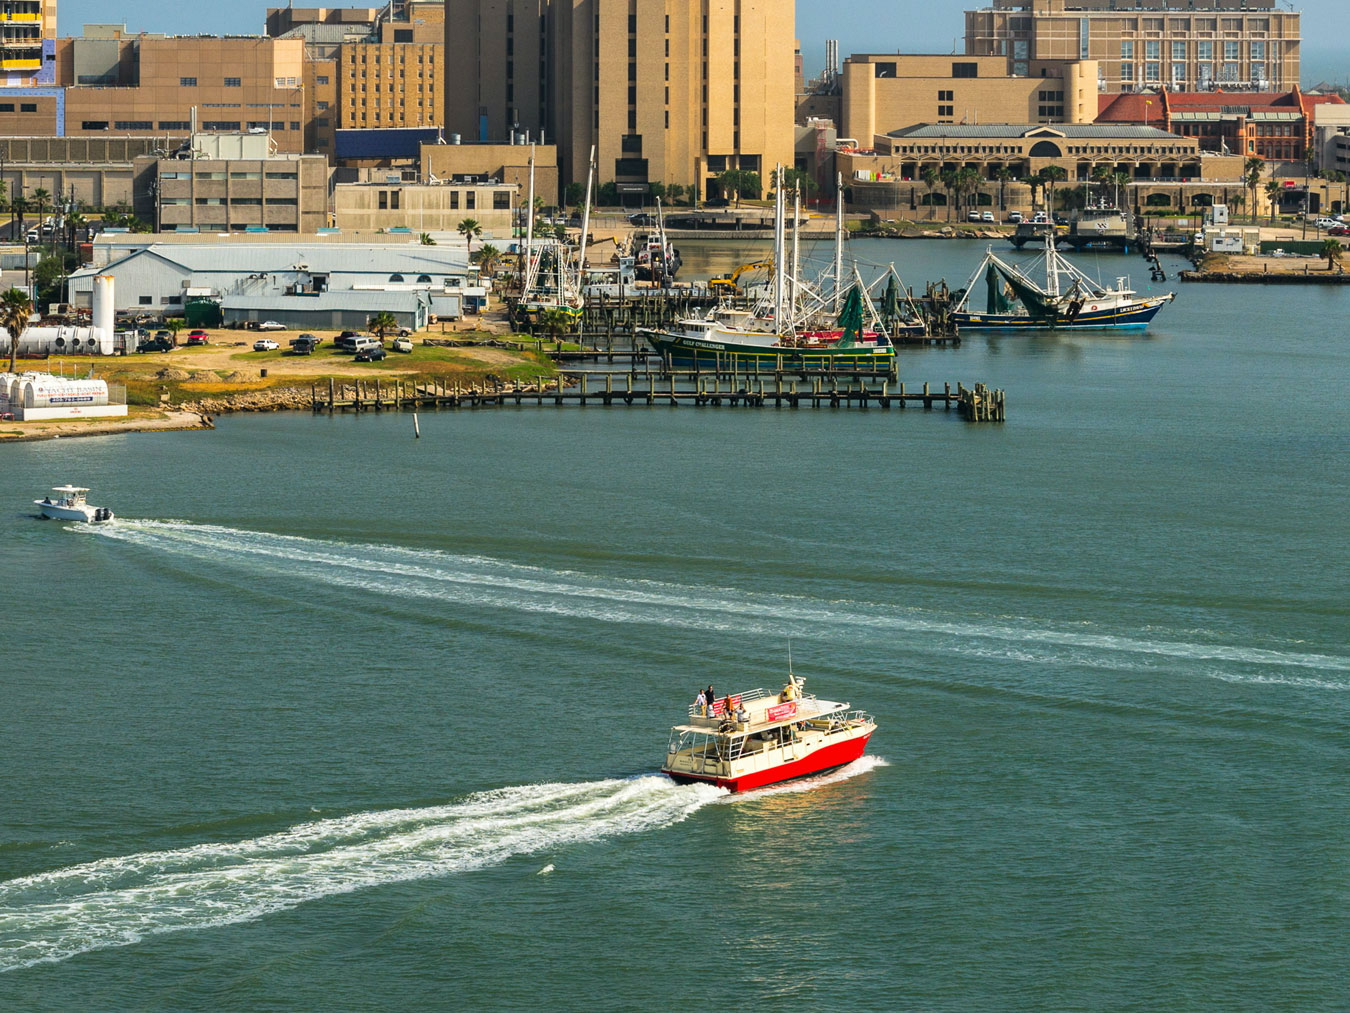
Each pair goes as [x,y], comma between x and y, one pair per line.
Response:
[726,284]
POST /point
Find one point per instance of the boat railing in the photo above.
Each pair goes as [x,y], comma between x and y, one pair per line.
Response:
[737,699]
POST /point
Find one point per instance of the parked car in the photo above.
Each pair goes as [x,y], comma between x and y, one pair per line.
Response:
[265,345]
[642,219]
[198,338]
[1327,223]
[374,354]
[972,216]
[155,344]
[271,325]
[1015,217]
[6,416]
[304,345]
[1339,230]
[1060,219]
[987,216]
[402,345]
[166,335]
[312,340]
[353,341]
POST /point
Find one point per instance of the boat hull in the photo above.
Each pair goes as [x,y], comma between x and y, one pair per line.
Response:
[56,512]
[1133,315]
[690,353]
[827,757]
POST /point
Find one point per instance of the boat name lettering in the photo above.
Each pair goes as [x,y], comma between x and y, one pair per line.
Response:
[783,710]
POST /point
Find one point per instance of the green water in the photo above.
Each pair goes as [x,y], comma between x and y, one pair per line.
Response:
[303,727]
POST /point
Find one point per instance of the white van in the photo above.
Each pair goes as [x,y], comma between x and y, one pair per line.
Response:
[362,344]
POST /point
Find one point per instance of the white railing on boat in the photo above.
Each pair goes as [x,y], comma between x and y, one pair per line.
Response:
[715,710]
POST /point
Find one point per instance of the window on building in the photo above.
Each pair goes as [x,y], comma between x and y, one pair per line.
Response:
[1152,50]
[6,107]
[454,200]
[1127,49]
[1230,50]
[146,300]
[965,69]
[1178,50]
[403,35]
[1258,50]
[501,200]
[94,125]
[470,199]
[395,279]
[1178,75]
[1258,73]
[394,196]
[233,82]
[187,82]
[321,79]
[133,125]
[1204,50]
[1152,73]
[175,125]
[384,200]
[946,96]
[946,111]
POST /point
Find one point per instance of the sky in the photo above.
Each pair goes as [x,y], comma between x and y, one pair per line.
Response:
[861,26]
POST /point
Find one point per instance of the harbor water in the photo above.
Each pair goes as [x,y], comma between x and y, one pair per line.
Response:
[331,717]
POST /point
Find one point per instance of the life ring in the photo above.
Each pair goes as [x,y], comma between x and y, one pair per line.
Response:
[1094,308]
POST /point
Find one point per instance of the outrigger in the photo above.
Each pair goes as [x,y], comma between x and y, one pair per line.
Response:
[756,738]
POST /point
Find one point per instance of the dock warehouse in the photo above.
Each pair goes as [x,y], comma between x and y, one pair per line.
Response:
[314,285]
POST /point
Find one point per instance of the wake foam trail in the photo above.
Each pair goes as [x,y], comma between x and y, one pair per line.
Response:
[862,765]
[117,901]
[494,583]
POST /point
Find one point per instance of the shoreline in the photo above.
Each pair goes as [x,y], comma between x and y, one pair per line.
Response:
[171,420]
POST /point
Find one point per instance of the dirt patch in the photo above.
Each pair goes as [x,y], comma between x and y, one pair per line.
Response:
[239,376]
[173,374]
[203,376]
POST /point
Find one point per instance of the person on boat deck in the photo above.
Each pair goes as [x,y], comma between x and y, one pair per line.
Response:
[701,702]
[710,697]
[47,500]
[789,692]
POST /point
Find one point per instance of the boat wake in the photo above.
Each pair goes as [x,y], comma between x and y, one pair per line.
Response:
[479,581]
[117,901]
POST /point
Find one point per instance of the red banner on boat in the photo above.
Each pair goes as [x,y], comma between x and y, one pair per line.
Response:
[783,710]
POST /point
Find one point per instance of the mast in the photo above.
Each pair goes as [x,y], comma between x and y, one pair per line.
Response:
[796,254]
[585,217]
[529,229]
[838,241]
[1051,263]
[778,251]
[661,238]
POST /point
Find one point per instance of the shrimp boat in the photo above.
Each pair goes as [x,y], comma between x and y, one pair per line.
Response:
[1068,299]
[69,505]
[794,327]
[766,738]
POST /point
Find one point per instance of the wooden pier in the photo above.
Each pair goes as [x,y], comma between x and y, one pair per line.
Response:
[680,388]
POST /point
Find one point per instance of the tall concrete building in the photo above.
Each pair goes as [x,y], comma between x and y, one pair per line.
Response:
[1147,44]
[668,92]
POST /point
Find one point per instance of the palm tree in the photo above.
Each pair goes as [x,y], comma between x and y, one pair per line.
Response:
[1103,176]
[173,325]
[969,181]
[489,259]
[1273,191]
[1331,253]
[469,228]
[949,184]
[20,205]
[382,322]
[1003,174]
[930,179]
[1037,183]
[555,323]
[1252,171]
[1121,181]
[41,198]
[16,309]
[426,240]
[74,222]
[1053,174]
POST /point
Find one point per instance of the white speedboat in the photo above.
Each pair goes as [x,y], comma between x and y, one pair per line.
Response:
[69,505]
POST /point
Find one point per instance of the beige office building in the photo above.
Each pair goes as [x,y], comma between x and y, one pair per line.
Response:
[228,191]
[1184,45]
[393,84]
[423,207]
[887,92]
[667,92]
[117,84]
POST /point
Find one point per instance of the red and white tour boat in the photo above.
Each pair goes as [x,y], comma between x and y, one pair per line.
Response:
[764,738]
